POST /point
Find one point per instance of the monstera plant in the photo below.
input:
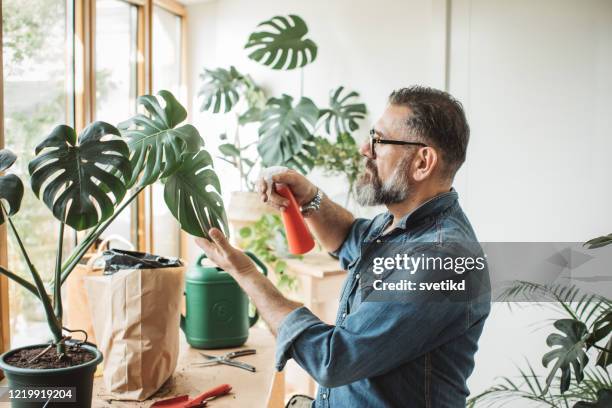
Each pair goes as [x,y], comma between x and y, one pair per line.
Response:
[87,180]
[288,125]
[585,332]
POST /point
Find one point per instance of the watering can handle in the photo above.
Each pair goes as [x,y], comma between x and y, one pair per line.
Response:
[252,319]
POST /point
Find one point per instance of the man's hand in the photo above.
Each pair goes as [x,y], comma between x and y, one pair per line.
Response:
[302,189]
[224,255]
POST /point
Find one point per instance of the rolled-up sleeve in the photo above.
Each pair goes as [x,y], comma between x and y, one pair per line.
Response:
[376,338]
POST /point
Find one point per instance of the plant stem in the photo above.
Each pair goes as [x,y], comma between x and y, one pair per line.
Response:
[76,256]
[57,284]
[54,324]
[27,285]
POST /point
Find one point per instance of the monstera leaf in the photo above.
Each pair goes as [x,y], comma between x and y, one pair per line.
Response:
[11,187]
[193,195]
[284,47]
[81,176]
[604,400]
[285,128]
[570,352]
[220,89]
[304,161]
[156,143]
[342,113]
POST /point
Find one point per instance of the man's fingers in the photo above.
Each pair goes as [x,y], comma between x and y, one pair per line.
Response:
[286,177]
[205,244]
[262,188]
[219,239]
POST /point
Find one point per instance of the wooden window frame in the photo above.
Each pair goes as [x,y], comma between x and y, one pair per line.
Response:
[84,110]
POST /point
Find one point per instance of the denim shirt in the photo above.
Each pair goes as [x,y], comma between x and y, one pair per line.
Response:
[391,354]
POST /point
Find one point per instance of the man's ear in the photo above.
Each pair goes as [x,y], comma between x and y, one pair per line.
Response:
[425,162]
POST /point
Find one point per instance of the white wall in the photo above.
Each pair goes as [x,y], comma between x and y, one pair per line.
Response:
[534,78]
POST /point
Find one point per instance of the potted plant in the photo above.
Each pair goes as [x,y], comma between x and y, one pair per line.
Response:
[286,127]
[585,331]
[86,182]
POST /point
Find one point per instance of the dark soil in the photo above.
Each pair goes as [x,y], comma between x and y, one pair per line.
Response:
[73,357]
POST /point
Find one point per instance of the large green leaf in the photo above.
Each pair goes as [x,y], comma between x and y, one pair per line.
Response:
[220,89]
[284,46]
[11,187]
[81,177]
[285,128]
[193,195]
[343,113]
[156,143]
[570,351]
[602,327]
[599,242]
[604,400]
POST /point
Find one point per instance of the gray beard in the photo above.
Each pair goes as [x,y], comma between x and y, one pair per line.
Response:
[370,190]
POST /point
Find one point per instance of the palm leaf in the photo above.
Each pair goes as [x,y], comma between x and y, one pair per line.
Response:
[285,129]
[599,242]
[193,195]
[284,46]
[156,141]
[80,176]
[570,351]
[342,114]
[11,187]
[220,89]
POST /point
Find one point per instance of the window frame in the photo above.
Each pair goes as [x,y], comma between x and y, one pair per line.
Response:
[83,65]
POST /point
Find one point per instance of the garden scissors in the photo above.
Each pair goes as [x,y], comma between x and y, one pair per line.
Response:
[227,359]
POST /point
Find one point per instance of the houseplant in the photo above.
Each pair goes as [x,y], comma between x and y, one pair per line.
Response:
[287,127]
[585,332]
[86,182]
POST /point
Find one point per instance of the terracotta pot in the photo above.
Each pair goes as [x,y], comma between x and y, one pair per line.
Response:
[245,208]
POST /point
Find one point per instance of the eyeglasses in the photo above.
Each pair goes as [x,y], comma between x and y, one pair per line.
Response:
[375,137]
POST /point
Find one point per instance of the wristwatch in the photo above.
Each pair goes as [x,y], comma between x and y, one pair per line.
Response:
[313,205]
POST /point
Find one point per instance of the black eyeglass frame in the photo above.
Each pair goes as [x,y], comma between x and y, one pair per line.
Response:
[375,137]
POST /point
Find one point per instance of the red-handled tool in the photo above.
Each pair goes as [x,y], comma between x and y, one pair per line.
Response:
[183,401]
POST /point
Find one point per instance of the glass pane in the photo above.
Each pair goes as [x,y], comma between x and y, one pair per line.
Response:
[166,75]
[37,81]
[116,56]
[166,51]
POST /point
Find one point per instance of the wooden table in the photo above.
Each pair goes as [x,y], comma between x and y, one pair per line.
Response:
[264,388]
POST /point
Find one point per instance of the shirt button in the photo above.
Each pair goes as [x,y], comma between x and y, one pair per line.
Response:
[357,276]
[378,241]
[343,315]
[324,396]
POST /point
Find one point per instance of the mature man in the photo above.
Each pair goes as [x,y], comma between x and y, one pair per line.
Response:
[414,353]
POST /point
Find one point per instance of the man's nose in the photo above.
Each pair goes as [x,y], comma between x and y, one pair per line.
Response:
[365,150]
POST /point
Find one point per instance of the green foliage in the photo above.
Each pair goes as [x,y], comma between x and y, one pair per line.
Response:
[11,187]
[570,351]
[339,158]
[285,128]
[156,141]
[220,89]
[599,242]
[343,113]
[188,196]
[284,46]
[267,240]
[81,174]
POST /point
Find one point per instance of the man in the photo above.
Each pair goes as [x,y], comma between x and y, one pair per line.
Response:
[414,353]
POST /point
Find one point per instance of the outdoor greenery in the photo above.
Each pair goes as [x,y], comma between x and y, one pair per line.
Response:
[83,180]
[584,333]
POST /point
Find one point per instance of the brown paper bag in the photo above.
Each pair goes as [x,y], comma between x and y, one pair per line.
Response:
[136,316]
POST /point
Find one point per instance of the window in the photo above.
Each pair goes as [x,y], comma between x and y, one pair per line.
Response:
[167,75]
[116,62]
[68,61]
[38,78]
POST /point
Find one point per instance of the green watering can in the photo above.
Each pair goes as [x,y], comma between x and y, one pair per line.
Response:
[217,309]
